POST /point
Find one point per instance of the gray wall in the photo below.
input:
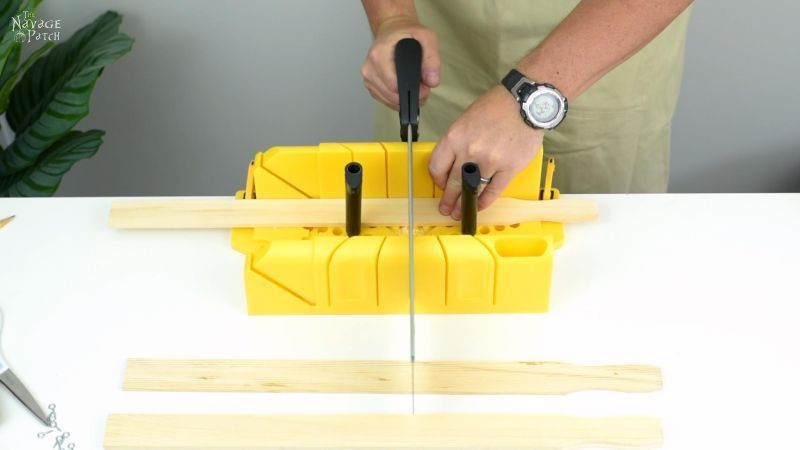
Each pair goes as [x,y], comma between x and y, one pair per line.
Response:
[737,127]
[209,83]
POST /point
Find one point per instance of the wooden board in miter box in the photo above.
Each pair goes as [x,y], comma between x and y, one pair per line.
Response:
[502,269]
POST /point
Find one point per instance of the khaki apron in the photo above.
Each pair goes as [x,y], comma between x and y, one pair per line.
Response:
[616,136]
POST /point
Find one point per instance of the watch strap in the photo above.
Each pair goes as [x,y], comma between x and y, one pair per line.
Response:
[511,81]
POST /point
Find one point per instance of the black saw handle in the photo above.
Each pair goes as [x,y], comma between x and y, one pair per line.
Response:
[408,63]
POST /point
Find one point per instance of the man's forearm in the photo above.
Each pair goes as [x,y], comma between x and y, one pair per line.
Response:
[595,37]
[378,11]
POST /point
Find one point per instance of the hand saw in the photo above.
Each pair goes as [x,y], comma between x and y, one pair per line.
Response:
[408,65]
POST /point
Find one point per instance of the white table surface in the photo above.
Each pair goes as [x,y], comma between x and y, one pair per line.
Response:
[705,286]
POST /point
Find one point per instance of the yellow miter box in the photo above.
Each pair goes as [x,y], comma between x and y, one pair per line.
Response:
[319,270]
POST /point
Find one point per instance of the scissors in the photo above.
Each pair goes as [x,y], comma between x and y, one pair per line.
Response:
[13,384]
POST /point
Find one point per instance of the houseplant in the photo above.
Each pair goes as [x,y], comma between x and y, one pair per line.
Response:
[45,96]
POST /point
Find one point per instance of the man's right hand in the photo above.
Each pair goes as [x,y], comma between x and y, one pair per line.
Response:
[378,71]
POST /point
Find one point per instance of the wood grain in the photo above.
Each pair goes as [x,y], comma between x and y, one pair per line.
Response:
[434,377]
[452,431]
[227,213]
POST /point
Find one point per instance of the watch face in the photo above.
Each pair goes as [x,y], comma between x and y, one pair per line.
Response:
[544,107]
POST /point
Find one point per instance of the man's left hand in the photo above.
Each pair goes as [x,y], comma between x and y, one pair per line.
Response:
[492,134]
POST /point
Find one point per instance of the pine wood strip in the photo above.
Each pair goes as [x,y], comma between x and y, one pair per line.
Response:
[452,431]
[432,377]
[331,212]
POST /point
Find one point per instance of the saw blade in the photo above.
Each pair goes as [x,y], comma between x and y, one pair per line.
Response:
[408,65]
[412,324]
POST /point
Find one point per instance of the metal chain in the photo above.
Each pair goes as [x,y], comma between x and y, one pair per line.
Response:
[61,441]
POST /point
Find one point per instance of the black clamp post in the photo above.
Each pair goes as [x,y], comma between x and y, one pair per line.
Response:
[470,182]
[353,179]
[408,64]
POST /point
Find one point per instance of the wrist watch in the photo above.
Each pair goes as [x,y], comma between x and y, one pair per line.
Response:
[542,106]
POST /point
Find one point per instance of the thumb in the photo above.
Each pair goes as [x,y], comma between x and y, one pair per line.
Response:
[430,59]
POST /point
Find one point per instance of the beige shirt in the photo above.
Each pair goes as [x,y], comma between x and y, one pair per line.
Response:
[616,134]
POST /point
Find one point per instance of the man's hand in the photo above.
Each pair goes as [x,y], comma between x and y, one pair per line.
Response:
[378,70]
[491,134]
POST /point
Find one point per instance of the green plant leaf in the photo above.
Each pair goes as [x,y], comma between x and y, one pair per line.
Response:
[12,61]
[8,83]
[44,177]
[8,9]
[54,93]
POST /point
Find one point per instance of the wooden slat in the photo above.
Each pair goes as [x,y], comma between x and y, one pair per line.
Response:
[331,212]
[434,377]
[452,431]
